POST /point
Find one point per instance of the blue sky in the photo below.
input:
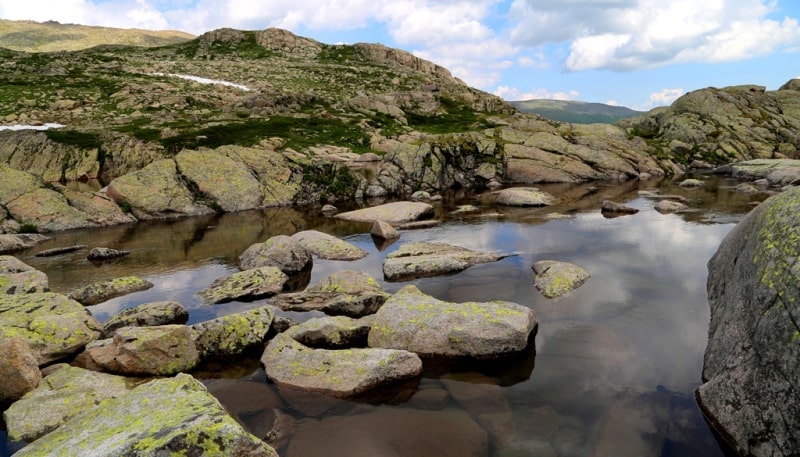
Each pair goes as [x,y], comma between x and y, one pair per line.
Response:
[636,53]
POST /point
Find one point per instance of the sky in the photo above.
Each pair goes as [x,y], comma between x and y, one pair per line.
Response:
[635,53]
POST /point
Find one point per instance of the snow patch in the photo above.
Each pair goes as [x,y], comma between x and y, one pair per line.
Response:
[204,80]
[47,126]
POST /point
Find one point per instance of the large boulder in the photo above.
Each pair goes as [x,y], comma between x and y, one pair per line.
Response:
[413,321]
[390,212]
[229,183]
[101,291]
[54,326]
[279,251]
[349,293]
[752,384]
[232,334]
[147,315]
[66,393]
[19,370]
[339,373]
[137,423]
[328,247]
[554,279]
[250,284]
[17,277]
[422,259]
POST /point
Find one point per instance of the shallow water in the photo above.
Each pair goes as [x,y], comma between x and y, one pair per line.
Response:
[615,363]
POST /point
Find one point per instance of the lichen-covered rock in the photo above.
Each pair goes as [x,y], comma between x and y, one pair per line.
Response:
[143,351]
[229,183]
[137,423]
[384,230]
[276,174]
[147,315]
[328,247]
[54,326]
[390,212]
[98,207]
[101,291]
[17,277]
[750,367]
[333,332]
[49,211]
[155,192]
[20,241]
[554,279]
[102,254]
[250,284]
[616,209]
[423,259]
[413,321]
[233,334]
[15,183]
[279,251]
[524,196]
[19,370]
[64,394]
[349,293]
[340,373]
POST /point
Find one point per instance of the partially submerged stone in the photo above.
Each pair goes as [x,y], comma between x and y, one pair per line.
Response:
[423,259]
[328,247]
[61,250]
[612,209]
[524,196]
[147,315]
[691,183]
[340,373]
[669,206]
[390,212]
[100,254]
[19,370]
[54,326]
[555,279]
[138,423]
[20,241]
[233,334]
[68,392]
[331,332]
[413,321]
[106,290]
[349,293]
[279,251]
[17,277]
[384,230]
[246,285]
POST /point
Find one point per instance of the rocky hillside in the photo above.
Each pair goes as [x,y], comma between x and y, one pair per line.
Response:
[576,112]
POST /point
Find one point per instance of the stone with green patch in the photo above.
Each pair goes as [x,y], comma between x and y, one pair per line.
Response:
[17,277]
[250,284]
[555,279]
[101,291]
[350,293]
[424,259]
[327,246]
[233,334]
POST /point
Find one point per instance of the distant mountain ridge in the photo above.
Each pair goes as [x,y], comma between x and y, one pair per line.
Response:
[576,112]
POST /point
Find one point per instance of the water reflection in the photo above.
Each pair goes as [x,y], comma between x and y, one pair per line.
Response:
[616,361]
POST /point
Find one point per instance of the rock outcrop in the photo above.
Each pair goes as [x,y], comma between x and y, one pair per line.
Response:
[751,381]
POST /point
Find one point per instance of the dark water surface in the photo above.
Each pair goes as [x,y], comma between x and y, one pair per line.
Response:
[615,363]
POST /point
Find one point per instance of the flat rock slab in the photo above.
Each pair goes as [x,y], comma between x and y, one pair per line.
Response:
[19,242]
[327,246]
[390,212]
[279,251]
[424,259]
[147,315]
[137,423]
[349,293]
[339,373]
[246,285]
[413,321]
[53,325]
[58,251]
[68,392]
[106,290]
[555,279]
[17,277]
[524,196]
[232,334]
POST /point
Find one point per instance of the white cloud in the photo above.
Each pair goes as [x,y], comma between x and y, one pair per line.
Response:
[612,103]
[663,97]
[515,94]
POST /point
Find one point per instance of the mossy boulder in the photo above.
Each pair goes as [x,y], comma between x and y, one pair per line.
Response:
[331,332]
[339,373]
[53,325]
[227,182]
[147,315]
[233,334]
[250,284]
[524,196]
[69,392]
[349,293]
[555,279]
[413,321]
[17,277]
[280,251]
[137,423]
[423,259]
[750,366]
[327,246]
[395,212]
[101,291]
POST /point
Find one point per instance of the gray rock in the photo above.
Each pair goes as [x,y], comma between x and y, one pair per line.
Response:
[68,392]
[375,191]
[19,370]
[524,196]
[228,182]
[101,254]
[691,183]
[384,230]
[423,259]
[777,172]
[106,290]
[194,424]
[279,251]
[669,206]
[328,247]
[233,334]
[329,210]
[331,332]
[390,212]
[413,321]
[349,293]
[20,241]
[250,284]
[54,326]
[555,279]
[420,195]
[750,367]
[746,188]
[147,315]
[339,373]
[62,250]
[17,277]
[613,208]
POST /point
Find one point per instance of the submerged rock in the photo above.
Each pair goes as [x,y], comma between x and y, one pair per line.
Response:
[233,334]
[340,373]
[555,279]
[19,370]
[147,315]
[328,247]
[103,254]
[691,183]
[423,259]
[413,321]
[390,212]
[524,196]
[250,284]
[106,290]
[279,251]
[750,367]
[62,250]
[136,423]
[349,293]
[17,277]
[54,326]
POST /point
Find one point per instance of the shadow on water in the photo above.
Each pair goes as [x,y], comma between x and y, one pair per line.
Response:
[616,361]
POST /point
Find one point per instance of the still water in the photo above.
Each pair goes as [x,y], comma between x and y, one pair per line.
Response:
[611,371]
